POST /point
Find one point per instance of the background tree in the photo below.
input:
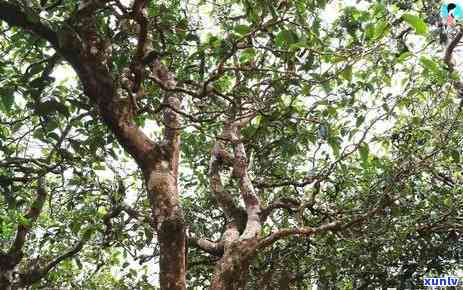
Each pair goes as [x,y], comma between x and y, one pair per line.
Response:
[300,142]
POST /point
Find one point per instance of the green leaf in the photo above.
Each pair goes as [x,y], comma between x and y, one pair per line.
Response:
[7,98]
[247,55]
[285,38]
[88,234]
[214,41]
[380,29]
[24,221]
[364,152]
[404,56]
[38,134]
[242,29]
[359,121]
[433,67]
[35,68]
[192,37]
[335,144]
[31,16]
[347,73]
[54,136]
[75,227]
[38,83]
[416,23]
[101,211]
[52,106]
[370,31]
[299,44]
[455,156]
[429,64]
[51,125]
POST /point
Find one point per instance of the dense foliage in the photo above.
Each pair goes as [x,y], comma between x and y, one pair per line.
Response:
[337,123]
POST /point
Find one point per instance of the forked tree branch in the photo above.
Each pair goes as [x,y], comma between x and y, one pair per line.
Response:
[289,204]
[24,227]
[450,49]
[310,231]
[37,274]
[207,246]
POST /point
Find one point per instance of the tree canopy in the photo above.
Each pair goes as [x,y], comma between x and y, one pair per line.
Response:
[228,144]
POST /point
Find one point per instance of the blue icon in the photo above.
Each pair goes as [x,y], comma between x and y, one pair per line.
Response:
[451,12]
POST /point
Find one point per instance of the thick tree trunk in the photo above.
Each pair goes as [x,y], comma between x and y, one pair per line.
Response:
[163,194]
[231,274]
[232,271]
[159,163]
[86,52]
[161,174]
[6,277]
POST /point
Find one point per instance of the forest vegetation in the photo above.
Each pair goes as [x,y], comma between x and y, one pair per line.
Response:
[229,144]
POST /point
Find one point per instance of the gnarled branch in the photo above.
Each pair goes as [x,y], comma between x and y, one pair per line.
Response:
[336,225]
[37,274]
[210,247]
[24,227]
[289,204]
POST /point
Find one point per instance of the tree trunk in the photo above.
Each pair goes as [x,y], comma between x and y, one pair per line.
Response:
[163,194]
[6,277]
[159,164]
[86,52]
[231,274]
[232,271]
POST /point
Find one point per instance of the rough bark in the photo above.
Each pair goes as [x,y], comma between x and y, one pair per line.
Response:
[90,57]
[232,270]
[161,176]
[241,235]
[80,45]
[163,194]
[158,162]
[10,260]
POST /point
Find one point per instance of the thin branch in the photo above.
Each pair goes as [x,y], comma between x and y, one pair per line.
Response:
[213,248]
[449,50]
[219,157]
[37,274]
[289,204]
[137,66]
[24,227]
[310,231]
[458,84]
